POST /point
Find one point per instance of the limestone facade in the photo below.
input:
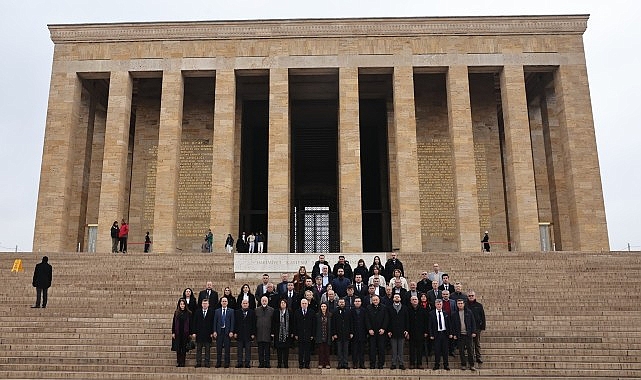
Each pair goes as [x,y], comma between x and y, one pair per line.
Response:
[410,134]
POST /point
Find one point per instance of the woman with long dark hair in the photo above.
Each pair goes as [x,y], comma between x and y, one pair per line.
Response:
[282,331]
[376,263]
[323,335]
[180,329]
[190,300]
[362,270]
[231,300]
[245,293]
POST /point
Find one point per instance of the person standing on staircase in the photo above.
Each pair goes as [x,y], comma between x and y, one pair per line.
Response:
[42,276]
[486,242]
[123,234]
[479,318]
[115,230]
[180,329]
[264,314]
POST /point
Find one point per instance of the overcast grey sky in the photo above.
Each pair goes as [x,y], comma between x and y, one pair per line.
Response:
[612,44]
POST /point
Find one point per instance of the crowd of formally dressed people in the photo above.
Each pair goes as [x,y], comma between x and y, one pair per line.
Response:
[343,311]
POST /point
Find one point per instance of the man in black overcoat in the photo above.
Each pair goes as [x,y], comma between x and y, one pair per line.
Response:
[244,333]
[210,294]
[376,321]
[42,275]
[417,317]
[342,333]
[304,328]
[359,333]
[202,332]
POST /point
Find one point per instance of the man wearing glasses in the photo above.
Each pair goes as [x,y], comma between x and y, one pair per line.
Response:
[479,318]
[424,284]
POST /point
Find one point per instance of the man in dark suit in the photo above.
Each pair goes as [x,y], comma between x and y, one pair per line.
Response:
[479,318]
[424,284]
[464,330]
[304,328]
[341,333]
[344,265]
[360,288]
[433,294]
[349,298]
[223,331]
[42,275]
[244,333]
[417,321]
[210,294]
[261,288]
[439,327]
[392,264]
[282,286]
[293,299]
[449,306]
[318,289]
[203,332]
[446,284]
[398,289]
[359,334]
[376,321]
[412,292]
[398,330]
[316,270]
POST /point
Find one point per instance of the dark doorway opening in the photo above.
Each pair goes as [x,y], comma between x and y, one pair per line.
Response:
[314,139]
[253,99]
[375,92]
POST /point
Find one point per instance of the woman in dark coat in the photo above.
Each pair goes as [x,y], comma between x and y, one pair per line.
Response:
[180,330]
[245,292]
[362,270]
[190,299]
[323,335]
[231,300]
[376,263]
[282,331]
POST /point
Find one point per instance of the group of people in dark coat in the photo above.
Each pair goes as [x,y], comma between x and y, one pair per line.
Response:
[372,321]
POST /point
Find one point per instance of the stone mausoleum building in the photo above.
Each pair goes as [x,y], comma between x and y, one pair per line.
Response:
[329,135]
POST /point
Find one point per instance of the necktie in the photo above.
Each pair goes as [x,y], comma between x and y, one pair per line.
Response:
[224,312]
[304,312]
[204,313]
[440,326]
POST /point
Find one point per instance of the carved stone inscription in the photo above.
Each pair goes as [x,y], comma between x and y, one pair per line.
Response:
[437,188]
[482,185]
[150,188]
[194,189]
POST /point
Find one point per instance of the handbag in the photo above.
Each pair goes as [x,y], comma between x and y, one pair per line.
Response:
[174,344]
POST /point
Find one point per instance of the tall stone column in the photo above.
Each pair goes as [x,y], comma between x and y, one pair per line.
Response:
[519,182]
[222,192]
[349,156]
[279,166]
[462,138]
[52,216]
[114,166]
[583,177]
[168,162]
[409,211]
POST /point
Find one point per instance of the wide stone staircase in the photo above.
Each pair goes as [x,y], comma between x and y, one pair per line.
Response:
[552,315]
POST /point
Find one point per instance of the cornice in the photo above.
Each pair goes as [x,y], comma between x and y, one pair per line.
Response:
[319,28]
